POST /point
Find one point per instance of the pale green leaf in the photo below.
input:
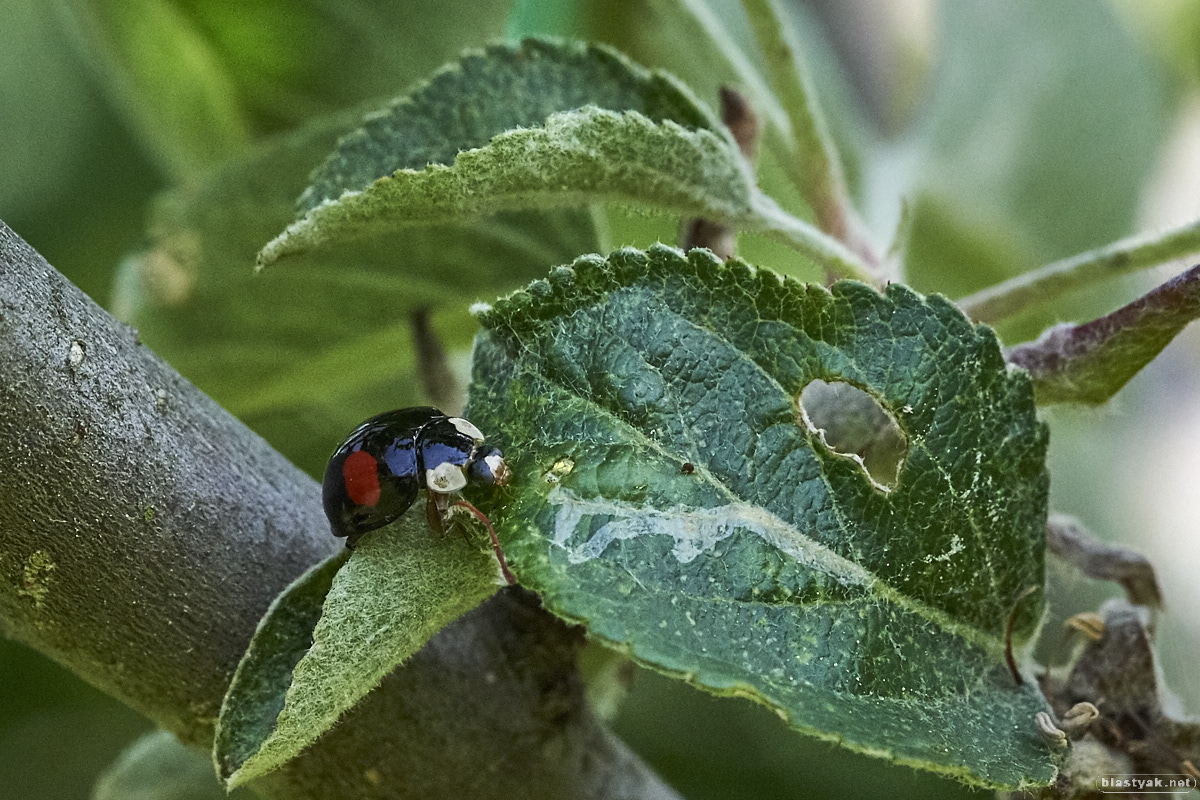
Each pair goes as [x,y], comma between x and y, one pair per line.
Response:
[1026,100]
[305,354]
[256,694]
[330,638]
[503,88]
[540,126]
[773,567]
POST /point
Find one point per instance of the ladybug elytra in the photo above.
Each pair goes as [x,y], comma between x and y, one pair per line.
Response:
[377,473]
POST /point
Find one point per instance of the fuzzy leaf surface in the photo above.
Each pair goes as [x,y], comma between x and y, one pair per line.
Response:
[514,126]
[336,632]
[256,695]
[773,567]
[539,125]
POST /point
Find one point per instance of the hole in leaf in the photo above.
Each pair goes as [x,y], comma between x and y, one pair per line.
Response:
[854,424]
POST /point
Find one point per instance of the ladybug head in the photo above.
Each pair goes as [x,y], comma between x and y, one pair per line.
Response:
[487,466]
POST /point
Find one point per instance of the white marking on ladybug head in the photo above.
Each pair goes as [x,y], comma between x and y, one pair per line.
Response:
[498,469]
[466,428]
[445,478]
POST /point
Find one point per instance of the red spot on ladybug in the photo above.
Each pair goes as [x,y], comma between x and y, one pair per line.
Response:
[362,478]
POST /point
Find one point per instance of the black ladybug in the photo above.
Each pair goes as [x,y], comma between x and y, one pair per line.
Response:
[377,472]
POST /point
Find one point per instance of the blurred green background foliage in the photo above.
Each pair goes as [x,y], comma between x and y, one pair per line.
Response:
[1017,133]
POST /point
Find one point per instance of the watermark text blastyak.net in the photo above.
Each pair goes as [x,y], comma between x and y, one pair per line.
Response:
[1145,784]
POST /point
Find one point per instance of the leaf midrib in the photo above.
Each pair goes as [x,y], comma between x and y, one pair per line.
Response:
[876,585]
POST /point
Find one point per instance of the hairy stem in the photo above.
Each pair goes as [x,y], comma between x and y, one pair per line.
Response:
[835,257]
[1041,285]
[813,166]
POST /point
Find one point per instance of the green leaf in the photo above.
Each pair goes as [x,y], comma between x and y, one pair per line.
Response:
[200,79]
[721,51]
[256,695]
[293,60]
[773,567]
[720,48]
[336,632]
[1090,362]
[144,46]
[158,767]
[538,126]
[305,354]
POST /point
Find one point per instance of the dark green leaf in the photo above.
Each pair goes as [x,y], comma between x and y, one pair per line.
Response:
[337,631]
[774,567]
[1090,362]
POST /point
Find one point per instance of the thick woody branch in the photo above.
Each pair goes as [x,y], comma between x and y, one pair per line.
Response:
[143,531]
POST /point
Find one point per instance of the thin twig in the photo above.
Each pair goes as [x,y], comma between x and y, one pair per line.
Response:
[814,166]
[742,122]
[437,379]
[1049,282]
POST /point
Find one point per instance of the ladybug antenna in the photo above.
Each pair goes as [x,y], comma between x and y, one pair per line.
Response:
[508,576]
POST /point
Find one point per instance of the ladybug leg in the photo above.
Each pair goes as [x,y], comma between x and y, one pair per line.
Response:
[508,575]
[435,511]
[445,514]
